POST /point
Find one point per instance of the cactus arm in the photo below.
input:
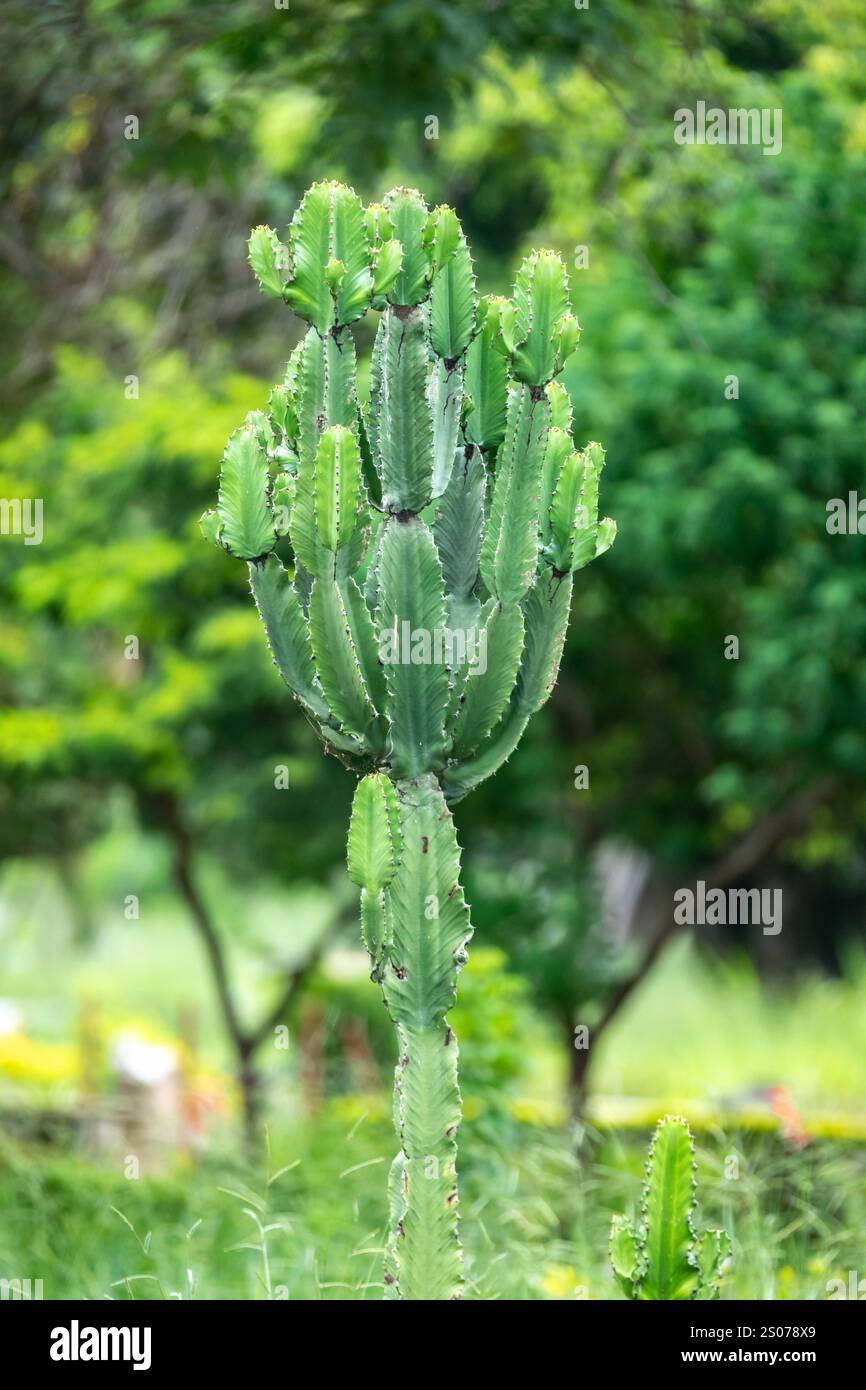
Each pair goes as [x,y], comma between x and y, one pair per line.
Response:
[332,279]
[445,398]
[584,532]
[401,425]
[373,853]
[375,840]
[412,602]
[336,488]
[362,631]
[460,778]
[429,924]
[713,1254]
[243,506]
[309,240]
[486,691]
[486,382]
[540,302]
[269,260]
[625,1255]
[667,1211]
[606,536]
[545,613]
[452,296]
[559,449]
[286,630]
[408,214]
[510,547]
[338,666]
[386,250]
[457,532]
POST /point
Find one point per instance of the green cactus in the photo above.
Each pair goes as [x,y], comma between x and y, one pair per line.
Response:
[433,531]
[663,1255]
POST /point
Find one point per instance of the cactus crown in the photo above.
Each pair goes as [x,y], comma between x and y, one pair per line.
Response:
[450,508]
[434,532]
[664,1256]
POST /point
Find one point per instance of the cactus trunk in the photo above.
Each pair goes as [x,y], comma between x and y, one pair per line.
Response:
[428,929]
[411,558]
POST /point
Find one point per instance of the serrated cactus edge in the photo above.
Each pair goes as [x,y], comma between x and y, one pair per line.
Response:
[663,1255]
[451,503]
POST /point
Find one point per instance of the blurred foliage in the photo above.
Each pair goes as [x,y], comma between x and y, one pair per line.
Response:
[125,257]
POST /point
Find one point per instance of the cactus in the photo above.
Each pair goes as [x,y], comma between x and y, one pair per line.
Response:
[446,514]
[664,1255]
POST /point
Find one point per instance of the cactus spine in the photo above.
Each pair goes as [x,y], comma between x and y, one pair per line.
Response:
[664,1256]
[433,532]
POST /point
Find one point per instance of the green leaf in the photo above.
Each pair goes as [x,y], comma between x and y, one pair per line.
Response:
[540,300]
[337,487]
[452,297]
[269,259]
[400,421]
[487,379]
[445,396]
[244,504]
[407,213]
[667,1211]
[374,843]
[411,619]
[510,548]
[337,662]
[490,680]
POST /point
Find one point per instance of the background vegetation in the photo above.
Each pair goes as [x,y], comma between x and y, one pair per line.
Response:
[158,886]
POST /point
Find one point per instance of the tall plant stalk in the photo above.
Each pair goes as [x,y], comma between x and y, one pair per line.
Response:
[431,536]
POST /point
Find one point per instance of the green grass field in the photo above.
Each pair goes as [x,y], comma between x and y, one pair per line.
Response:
[535,1216]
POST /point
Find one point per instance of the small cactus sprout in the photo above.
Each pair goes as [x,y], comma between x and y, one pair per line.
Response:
[663,1255]
[412,558]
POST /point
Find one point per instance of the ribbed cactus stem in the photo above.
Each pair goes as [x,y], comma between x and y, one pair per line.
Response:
[662,1255]
[449,512]
[430,929]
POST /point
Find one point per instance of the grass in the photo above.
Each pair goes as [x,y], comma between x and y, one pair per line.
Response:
[309,1224]
[703,1037]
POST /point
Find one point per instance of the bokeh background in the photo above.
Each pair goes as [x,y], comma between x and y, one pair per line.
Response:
[194,1066]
